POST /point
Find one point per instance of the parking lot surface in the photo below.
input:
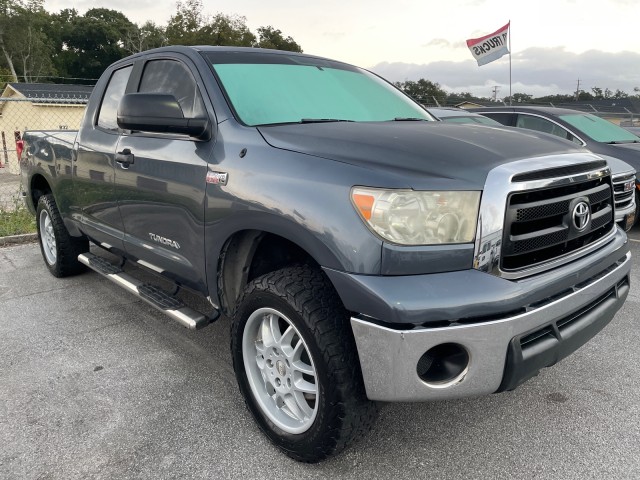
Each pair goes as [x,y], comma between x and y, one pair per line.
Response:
[96,384]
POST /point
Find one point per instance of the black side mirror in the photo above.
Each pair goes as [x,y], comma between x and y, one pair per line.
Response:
[160,113]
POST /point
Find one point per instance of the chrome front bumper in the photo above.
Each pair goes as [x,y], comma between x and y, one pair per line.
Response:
[622,215]
[389,357]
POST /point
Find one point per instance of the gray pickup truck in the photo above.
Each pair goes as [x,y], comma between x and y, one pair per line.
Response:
[363,252]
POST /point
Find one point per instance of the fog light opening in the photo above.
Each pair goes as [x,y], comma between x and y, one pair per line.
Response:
[443,365]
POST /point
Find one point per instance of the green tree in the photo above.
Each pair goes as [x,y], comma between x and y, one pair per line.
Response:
[5,77]
[26,49]
[269,37]
[423,91]
[557,98]
[459,97]
[145,37]
[185,25]
[519,98]
[190,26]
[584,96]
[229,30]
[597,93]
[91,42]
[620,94]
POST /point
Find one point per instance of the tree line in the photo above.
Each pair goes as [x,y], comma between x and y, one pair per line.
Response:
[37,46]
[430,93]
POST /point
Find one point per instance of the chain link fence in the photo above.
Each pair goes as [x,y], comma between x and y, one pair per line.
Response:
[20,114]
[17,115]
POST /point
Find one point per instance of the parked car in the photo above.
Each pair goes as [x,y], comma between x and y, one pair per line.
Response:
[459,115]
[598,135]
[634,130]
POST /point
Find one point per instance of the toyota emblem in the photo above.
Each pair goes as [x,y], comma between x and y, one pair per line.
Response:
[581,216]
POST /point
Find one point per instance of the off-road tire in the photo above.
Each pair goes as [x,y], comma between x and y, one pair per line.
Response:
[67,248]
[307,298]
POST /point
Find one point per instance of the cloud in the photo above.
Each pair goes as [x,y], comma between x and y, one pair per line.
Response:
[437,42]
[334,35]
[537,71]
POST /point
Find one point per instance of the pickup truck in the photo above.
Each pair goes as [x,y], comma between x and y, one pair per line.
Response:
[363,252]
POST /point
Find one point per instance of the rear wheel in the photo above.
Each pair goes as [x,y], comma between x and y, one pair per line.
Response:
[296,364]
[59,249]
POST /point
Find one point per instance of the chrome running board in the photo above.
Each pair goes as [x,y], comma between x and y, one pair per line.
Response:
[153,295]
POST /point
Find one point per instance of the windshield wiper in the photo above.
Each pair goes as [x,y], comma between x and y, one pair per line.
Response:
[322,120]
[410,119]
[620,142]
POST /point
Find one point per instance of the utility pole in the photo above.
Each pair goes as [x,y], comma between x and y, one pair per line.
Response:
[578,91]
[495,93]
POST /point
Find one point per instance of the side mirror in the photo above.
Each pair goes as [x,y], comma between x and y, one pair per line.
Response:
[160,113]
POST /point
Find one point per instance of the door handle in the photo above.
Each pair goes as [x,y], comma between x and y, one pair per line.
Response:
[125,158]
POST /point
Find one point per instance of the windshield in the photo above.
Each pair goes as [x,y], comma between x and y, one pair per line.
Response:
[266,89]
[599,129]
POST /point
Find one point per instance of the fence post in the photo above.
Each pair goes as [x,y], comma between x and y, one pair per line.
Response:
[4,150]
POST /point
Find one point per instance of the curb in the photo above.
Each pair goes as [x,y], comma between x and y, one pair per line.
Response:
[18,239]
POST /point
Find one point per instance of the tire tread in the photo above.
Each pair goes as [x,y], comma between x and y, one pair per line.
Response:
[68,247]
[310,293]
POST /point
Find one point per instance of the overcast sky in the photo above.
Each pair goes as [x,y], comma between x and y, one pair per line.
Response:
[554,42]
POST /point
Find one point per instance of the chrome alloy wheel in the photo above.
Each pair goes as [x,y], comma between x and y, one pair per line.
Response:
[47,237]
[280,370]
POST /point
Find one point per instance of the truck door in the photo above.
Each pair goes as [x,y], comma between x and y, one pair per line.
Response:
[161,184]
[94,167]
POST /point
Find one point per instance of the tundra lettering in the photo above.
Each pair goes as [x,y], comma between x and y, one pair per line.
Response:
[164,241]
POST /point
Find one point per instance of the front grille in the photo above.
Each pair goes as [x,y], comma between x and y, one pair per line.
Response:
[622,196]
[539,224]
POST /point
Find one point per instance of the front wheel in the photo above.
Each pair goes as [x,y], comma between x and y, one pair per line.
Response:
[59,249]
[296,364]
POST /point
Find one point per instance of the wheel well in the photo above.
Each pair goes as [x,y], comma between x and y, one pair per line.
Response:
[250,254]
[39,187]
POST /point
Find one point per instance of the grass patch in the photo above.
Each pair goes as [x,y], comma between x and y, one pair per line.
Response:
[16,222]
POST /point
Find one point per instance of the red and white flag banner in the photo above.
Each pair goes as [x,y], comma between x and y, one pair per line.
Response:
[490,47]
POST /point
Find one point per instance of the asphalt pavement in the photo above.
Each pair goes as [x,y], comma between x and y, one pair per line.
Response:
[96,384]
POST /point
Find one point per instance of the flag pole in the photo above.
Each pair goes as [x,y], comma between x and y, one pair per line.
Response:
[510,94]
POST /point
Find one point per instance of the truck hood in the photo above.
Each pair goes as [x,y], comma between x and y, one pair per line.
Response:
[617,166]
[417,149]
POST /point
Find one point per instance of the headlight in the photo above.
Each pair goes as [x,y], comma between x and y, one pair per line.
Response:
[408,217]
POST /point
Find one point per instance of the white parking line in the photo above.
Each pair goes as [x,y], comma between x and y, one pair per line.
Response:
[634,240]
